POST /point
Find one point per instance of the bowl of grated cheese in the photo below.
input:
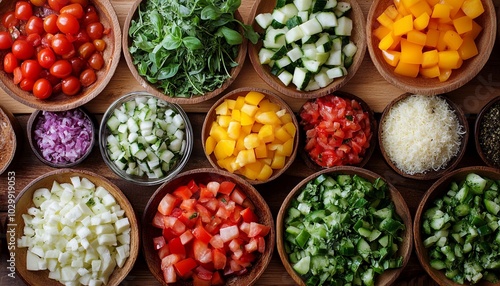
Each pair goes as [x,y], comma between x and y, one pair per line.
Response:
[422,137]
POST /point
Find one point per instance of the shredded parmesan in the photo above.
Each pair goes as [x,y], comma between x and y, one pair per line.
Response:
[421,133]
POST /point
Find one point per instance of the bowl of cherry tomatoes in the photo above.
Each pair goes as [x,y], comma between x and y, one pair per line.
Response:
[57,55]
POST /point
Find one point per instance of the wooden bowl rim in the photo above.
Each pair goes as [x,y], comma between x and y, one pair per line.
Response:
[240,60]
[244,186]
[477,127]
[104,9]
[438,189]
[14,130]
[290,91]
[115,192]
[30,130]
[401,209]
[426,86]
[373,125]
[273,97]
[430,174]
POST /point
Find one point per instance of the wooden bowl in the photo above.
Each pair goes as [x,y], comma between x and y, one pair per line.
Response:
[203,176]
[151,88]
[405,247]
[10,133]
[426,86]
[264,71]
[60,101]
[25,200]
[373,126]
[273,98]
[478,130]
[438,190]
[31,128]
[429,174]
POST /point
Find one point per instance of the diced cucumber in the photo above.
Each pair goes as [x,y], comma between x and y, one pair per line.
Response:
[350,49]
[264,20]
[294,34]
[344,26]
[295,54]
[285,77]
[311,65]
[335,72]
[303,265]
[303,5]
[311,27]
[301,77]
[327,19]
[342,8]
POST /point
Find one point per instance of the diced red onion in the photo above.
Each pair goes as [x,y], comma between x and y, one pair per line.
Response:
[63,137]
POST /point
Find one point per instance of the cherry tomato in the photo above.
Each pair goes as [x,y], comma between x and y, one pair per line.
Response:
[96,61]
[95,30]
[5,40]
[50,24]
[81,38]
[71,85]
[9,19]
[70,54]
[84,3]
[86,50]
[99,45]
[42,88]
[77,65]
[52,79]
[47,40]
[10,63]
[68,23]
[61,69]
[90,17]
[31,69]
[61,45]
[34,39]
[34,26]
[23,10]
[38,3]
[74,9]
[57,5]
[27,84]
[18,75]
[88,77]
[22,49]
[46,58]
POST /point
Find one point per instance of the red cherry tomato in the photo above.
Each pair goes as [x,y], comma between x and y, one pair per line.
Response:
[38,3]
[71,85]
[77,65]
[22,49]
[31,69]
[86,50]
[84,3]
[99,44]
[50,24]
[95,30]
[68,23]
[61,45]
[23,10]
[9,63]
[5,40]
[96,61]
[88,77]
[27,84]
[42,88]
[34,39]
[46,58]
[47,40]
[57,5]
[61,69]
[9,19]
[90,17]
[34,26]
[18,75]
[74,9]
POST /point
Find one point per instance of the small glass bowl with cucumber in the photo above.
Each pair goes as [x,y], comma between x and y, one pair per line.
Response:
[144,139]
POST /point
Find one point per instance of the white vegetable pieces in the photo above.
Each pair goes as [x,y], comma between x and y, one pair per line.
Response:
[77,231]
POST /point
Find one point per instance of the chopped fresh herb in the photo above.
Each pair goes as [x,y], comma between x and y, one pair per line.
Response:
[223,200]
[194,215]
[90,202]
[349,117]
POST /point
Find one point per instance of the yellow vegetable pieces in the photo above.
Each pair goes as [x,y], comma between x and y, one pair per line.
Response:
[251,136]
[428,38]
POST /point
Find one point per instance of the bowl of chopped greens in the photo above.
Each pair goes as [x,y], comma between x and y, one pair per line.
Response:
[307,49]
[344,224]
[456,229]
[145,140]
[185,52]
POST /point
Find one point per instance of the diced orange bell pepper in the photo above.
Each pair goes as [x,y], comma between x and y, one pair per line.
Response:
[430,58]
[381,32]
[416,37]
[463,24]
[421,22]
[455,6]
[430,72]
[468,49]
[421,7]
[385,21]
[476,30]
[448,59]
[452,39]
[403,25]
[405,69]
[473,8]
[441,11]
[391,57]
[386,42]
[444,75]
[410,53]
[391,12]
[432,38]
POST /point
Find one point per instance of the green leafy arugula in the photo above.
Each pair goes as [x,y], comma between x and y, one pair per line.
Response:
[184,47]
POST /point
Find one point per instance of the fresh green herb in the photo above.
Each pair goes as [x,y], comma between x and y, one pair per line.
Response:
[187,48]
[349,117]
[194,215]
[90,202]
[224,200]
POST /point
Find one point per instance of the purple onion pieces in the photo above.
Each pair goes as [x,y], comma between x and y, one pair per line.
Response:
[63,137]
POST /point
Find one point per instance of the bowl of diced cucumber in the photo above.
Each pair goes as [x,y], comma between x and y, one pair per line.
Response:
[344,225]
[144,139]
[456,227]
[307,48]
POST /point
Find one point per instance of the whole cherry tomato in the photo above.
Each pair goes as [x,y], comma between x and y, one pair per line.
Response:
[23,10]
[71,85]
[31,69]
[88,77]
[10,63]
[57,5]
[9,19]
[74,9]
[50,24]
[34,26]
[38,3]
[86,50]
[34,39]
[22,49]
[61,45]
[47,40]
[96,61]
[95,30]
[61,69]
[42,88]
[5,40]
[27,84]
[18,75]
[90,17]
[68,23]
[46,58]
[99,44]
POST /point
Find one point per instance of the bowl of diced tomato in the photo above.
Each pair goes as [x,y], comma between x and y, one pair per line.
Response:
[207,226]
[430,48]
[337,130]
[57,55]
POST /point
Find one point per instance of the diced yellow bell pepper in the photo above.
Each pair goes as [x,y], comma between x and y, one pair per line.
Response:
[246,119]
[385,21]
[401,7]
[268,117]
[455,6]
[448,59]
[254,97]
[432,3]
[405,69]
[421,7]
[290,128]
[430,59]
[261,151]
[391,57]
[249,109]
[391,12]
[224,148]
[441,11]
[240,145]
[265,173]
[228,164]
[476,30]
[416,37]
[396,44]
[234,130]
[410,53]
[256,127]
[252,170]
[240,100]
[386,42]
[381,32]
[444,75]
[231,103]
[432,38]
[287,118]
[224,120]
[209,145]
[421,22]
[236,115]
[266,133]
[403,25]
[431,72]
[282,135]
[245,157]
[278,162]
[409,3]
[453,40]
[441,44]
[217,132]
[473,8]
[247,129]
[286,148]
[266,105]
[463,24]
[251,141]
[468,49]
[222,109]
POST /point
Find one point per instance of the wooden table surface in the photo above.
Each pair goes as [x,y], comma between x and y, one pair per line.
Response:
[367,84]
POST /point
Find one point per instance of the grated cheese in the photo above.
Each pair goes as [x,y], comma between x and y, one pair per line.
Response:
[421,133]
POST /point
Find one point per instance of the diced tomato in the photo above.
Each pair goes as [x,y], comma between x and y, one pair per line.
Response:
[187,205]
[261,244]
[235,266]
[167,204]
[201,251]
[252,245]
[197,281]
[245,227]
[212,204]
[213,187]
[176,247]
[214,225]
[246,259]
[202,234]
[184,267]
[249,216]
[174,224]
[176,212]
[168,234]
[158,220]
[204,213]
[235,244]
[236,214]
[189,218]
[170,260]
[183,192]
[219,259]
[158,242]
[217,242]
[217,279]
[193,186]
[164,251]
[169,274]
[258,229]
[202,276]
[186,237]
[229,233]
[205,194]
[238,196]
[223,213]
[226,187]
